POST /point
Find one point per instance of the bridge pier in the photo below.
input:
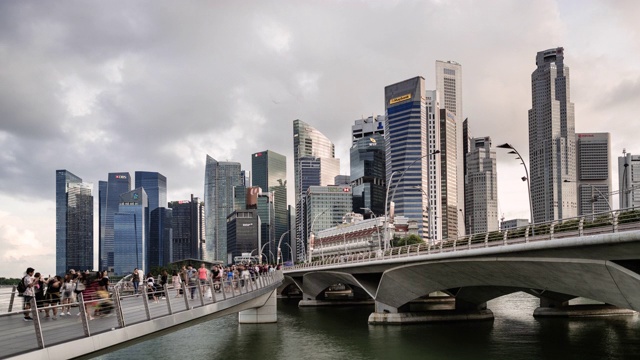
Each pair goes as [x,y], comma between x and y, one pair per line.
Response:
[267,313]
[552,308]
[462,311]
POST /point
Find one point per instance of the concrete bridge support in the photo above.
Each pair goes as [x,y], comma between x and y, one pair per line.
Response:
[405,314]
[267,313]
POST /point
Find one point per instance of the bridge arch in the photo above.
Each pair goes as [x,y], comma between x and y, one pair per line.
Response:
[315,283]
[599,280]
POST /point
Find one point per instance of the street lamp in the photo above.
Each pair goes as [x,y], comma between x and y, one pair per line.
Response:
[593,197]
[376,225]
[279,243]
[431,219]
[260,254]
[526,177]
[312,235]
[290,253]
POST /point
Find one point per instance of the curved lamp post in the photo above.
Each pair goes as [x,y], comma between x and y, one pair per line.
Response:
[279,243]
[593,197]
[312,235]
[526,172]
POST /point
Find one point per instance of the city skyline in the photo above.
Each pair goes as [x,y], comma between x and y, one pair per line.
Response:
[75,93]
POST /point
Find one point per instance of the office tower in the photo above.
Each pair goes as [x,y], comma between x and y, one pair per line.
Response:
[159,226]
[109,203]
[74,223]
[406,150]
[187,224]
[593,172]
[629,180]
[448,175]
[466,147]
[368,175]
[552,147]
[267,214]
[314,165]
[481,187]
[219,181]
[130,232]
[434,190]
[368,127]
[269,172]
[342,180]
[326,206]
[243,233]
[449,86]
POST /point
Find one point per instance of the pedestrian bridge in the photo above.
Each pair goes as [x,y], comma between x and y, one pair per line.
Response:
[596,258]
[132,317]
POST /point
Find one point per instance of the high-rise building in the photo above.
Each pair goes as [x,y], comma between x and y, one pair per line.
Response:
[327,206]
[481,188]
[130,232]
[243,233]
[314,165]
[406,150]
[552,140]
[593,172]
[269,172]
[368,175]
[74,223]
[187,224]
[449,175]
[629,180]
[368,127]
[159,226]
[220,179]
[109,203]
[449,86]
[434,190]
[466,148]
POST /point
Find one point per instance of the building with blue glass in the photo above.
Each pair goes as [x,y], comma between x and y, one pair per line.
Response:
[130,232]
[159,226]
[74,223]
[368,175]
[109,202]
[406,150]
[220,179]
[187,224]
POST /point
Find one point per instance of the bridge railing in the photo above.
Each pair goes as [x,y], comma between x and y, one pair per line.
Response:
[593,224]
[102,312]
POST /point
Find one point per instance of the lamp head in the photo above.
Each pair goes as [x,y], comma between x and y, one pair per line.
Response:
[505,146]
[524,178]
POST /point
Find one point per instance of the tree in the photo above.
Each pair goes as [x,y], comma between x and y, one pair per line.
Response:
[407,240]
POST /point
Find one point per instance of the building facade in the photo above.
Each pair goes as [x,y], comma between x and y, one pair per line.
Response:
[74,223]
[109,203]
[593,172]
[552,140]
[364,128]
[188,231]
[243,229]
[220,180]
[448,175]
[406,150]
[629,180]
[314,165]
[481,188]
[368,175]
[130,233]
[434,193]
[326,206]
[159,226]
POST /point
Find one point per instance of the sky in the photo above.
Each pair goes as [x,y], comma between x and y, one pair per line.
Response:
[105,86]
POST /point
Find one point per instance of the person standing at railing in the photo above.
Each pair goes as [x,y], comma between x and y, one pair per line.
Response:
[67,294]
[38,289]
[203,274]
[191,280]
[164,279]
[28,294]
[176,283]
[135,280]
[52,296]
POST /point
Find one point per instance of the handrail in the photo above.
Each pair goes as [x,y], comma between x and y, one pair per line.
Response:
[591,224]
[101,312]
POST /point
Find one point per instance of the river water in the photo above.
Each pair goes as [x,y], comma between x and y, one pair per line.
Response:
[343,333]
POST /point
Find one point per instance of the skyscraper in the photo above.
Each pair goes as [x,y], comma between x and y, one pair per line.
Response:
[368,175]
[449,175]
[269,172]
[74,223]
[593,172]
[449,86]
[109,202]
[187,224]
[130,232]
[552,140]
[629,180]
[326,207]
[159,220]
[219,181]
[434,190]
[363,128]
[314,165]
[481,187]
[406,149]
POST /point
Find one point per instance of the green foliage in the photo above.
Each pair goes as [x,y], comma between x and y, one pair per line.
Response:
[516,233]
[569,225]
[495,236]
[629,216]
[407,240]
[542,229]
[9,281]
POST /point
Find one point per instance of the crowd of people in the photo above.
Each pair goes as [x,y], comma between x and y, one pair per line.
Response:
[55,295]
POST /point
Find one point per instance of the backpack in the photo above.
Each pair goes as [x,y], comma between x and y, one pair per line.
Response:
[22,287]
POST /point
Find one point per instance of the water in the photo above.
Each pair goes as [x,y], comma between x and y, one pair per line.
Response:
[343,333]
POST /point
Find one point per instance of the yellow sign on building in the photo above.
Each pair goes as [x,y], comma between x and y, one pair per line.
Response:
[399,99]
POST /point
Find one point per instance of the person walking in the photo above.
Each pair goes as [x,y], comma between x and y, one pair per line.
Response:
[67,294]
[135,280]
[52,296]
[177,284]
[28,294]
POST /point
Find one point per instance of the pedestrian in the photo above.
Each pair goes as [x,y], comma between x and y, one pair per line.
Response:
[177,284]
[38,289]
[191,279]
[163,282]
[28,294]
[67,294]
[52,296]
[151,288]
[135,279]
[203,274]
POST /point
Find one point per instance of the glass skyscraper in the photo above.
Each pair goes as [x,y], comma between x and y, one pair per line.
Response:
[109,198]
[220,179]
[314,165]
[552,140]
[187,224]
[406,149]
[159,226]
[269,172]
[130,232]
[74,223]
[368,175]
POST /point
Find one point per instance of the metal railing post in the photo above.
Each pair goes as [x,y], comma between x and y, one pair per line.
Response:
[83,315]
[213,291]
[615,221]
[486,240]
[581,226]
[11,300]
[36,323]
[145,301]
[526,234]
[200,292]
[118,307]
[168,298]
[184,295]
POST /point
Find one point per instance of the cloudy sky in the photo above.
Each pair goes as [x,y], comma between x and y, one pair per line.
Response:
[106,86]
